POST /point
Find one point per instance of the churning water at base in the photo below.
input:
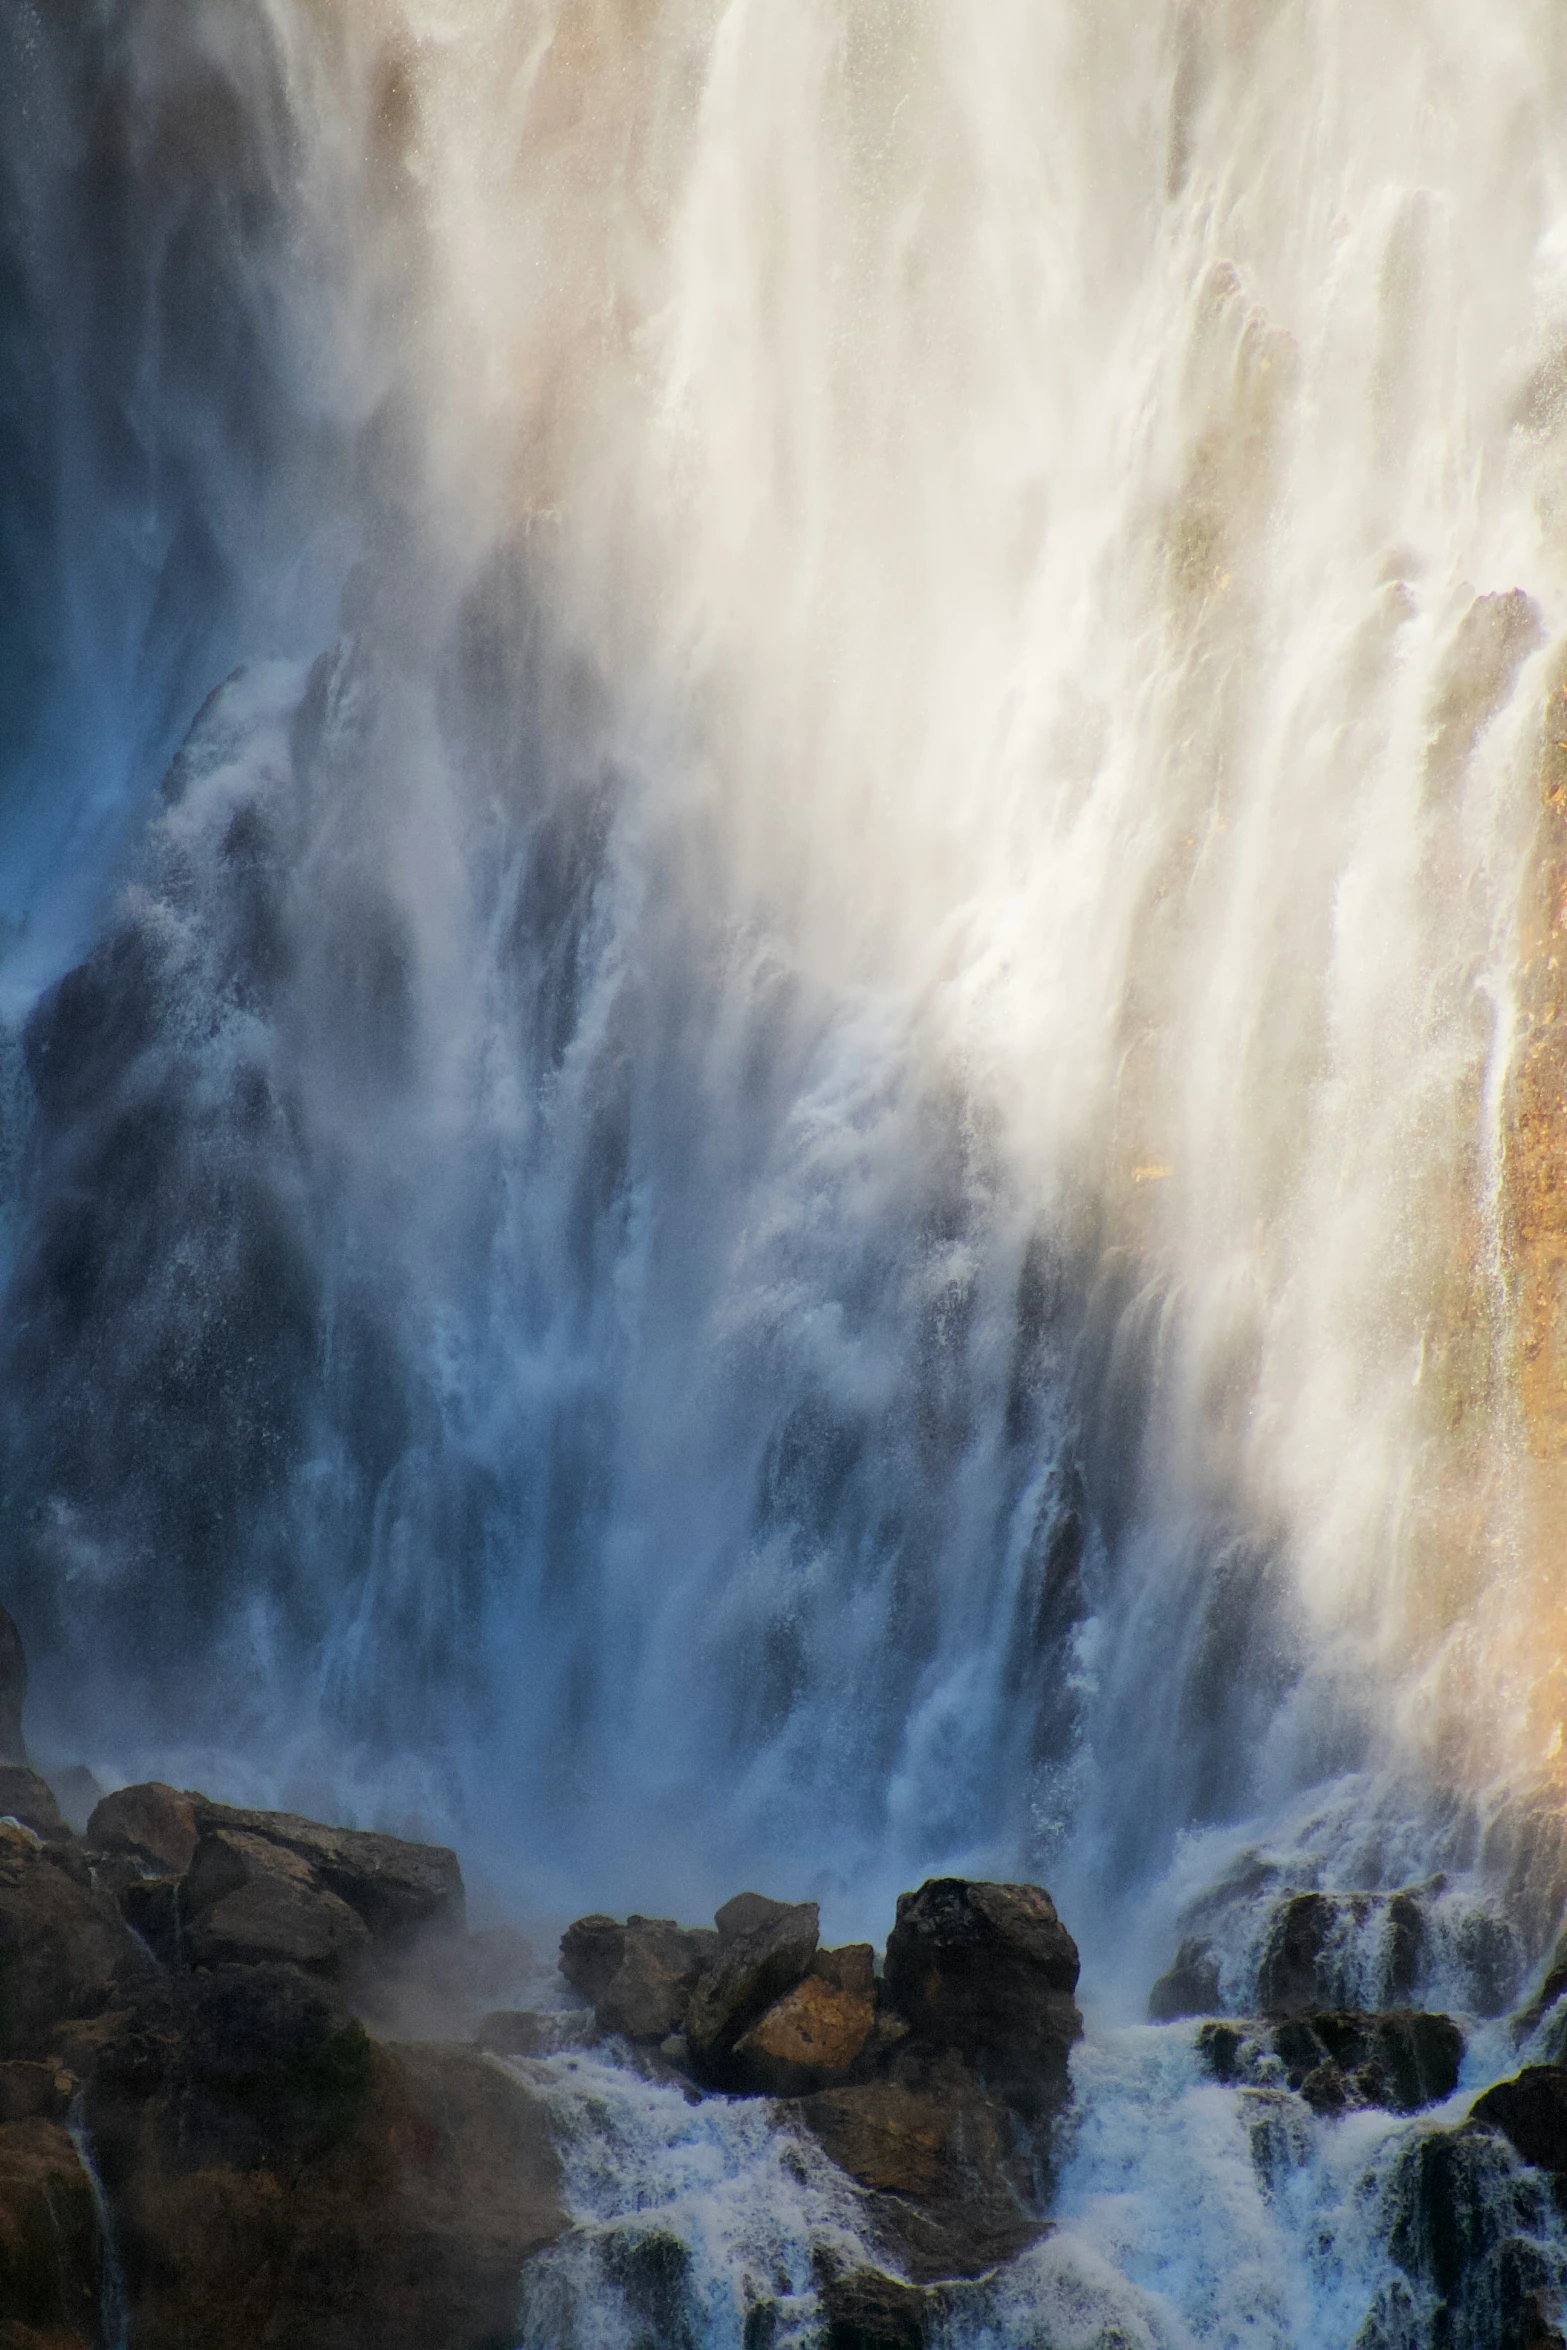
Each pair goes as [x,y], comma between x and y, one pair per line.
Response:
[815,1132]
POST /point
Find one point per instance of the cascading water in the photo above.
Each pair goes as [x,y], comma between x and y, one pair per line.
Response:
[813,1135]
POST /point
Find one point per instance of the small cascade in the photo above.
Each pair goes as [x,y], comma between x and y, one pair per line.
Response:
[115,2304]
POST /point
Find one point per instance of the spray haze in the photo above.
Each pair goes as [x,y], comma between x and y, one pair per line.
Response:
[820,1146]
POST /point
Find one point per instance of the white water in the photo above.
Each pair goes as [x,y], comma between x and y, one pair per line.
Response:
[807,1178]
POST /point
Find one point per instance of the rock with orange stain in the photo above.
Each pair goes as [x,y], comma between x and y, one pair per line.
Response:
[809,2037]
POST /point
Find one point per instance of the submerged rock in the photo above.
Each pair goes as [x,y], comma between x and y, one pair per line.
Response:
[1531,2113]
[1339,2059]
[989,1970]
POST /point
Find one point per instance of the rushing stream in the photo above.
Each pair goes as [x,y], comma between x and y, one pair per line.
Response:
[784,797]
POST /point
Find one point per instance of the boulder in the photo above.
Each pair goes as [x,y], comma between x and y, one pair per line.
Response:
[398,1888]
[410,2231]
[650,1990]
[850,1968]
[804,2041]
[866,2310]
[51,2259]
[1190,1987]
[152,1823]
[13,1690]
[1313,1951]
[65,1951]
[34,2091]
[763,1949]
[1531,2113]
[989,1970]
[27,1796]
[590,1952]
[947,2194]
[245,1899]
[270,2069]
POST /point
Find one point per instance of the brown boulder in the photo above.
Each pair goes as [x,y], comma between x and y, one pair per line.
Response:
[947,2194]
[764,1947]
[151,1822]
[851,1968]
[410,2233]
[649,1993]
[27,1796]
[1190,1987]
[865,2310]
[50,2256]
[590,1952]
[805,2040]
[65,1951]
[398,1888]
[990,1970]
[13,1690]
[245,1899]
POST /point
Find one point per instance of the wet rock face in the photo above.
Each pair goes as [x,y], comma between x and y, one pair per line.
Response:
[990,1971]
[1465,2229]
[813,2035]
[51,2277]
[1190,1987]
[1530,2111]
[936,2157]
[65,1951]
[764,1948]
[1338,2060]
[244,1899]
[649,1993]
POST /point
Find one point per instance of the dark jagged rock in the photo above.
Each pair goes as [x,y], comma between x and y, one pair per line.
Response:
[650,1990]
[590,1952]
[1465,2228]
[1339,2060]
[1190,1987]
[1531,2112]
[398,1888]
[27,1796]
[51,2258]
[65,1951]
[807,2039]
[865,2310]
[272,2070]
[13,1690]
[151,1823]
[990,1971]
[934,2154]
[246,1899]
[763,1949]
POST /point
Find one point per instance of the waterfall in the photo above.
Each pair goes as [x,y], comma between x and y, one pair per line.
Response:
[783,857]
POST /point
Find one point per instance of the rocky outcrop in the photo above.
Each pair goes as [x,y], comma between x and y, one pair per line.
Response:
[27,1796]
[1401,2061]
[1190,1987]
[152,1824]
[399,1889]
[937,2157]
[51,2260]
[66,1954]
[246,1899]
[990,1971]
[1530,2111]
[639,1977]
[764,1947]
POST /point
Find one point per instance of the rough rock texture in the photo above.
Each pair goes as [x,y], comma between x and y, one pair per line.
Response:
[647,1996]
[990,1971]
[51,2276]
[1339,2059]
[31,2090]
[245,1898]
[392,2198]
[1301,1968]
[13,1690]
[1531,2112]
[398,1888]
[1190,1987]
[150,1822]
[810,2037]
[850,1968]
[764,1947]
[27,1796]
[590,1952]
[65,1951]
[866,2310]
[1466,2232]
[934,2154]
